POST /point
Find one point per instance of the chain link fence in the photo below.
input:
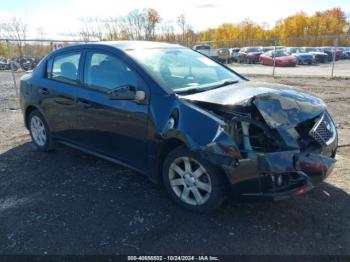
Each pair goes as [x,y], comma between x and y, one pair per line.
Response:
[330,58]
[330,55]
[18,58]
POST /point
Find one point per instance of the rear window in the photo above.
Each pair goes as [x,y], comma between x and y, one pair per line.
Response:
[254,49]
[64,68]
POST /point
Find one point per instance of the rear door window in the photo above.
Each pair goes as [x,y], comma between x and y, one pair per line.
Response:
[65,68]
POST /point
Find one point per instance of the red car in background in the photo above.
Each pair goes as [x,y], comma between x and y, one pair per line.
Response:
[249,55]
[281,58]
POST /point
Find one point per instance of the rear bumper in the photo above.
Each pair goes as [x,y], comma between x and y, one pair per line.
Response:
[321,59]
[305,60]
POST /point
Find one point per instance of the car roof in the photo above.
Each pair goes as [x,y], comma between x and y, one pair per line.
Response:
[121,45]
[129,45]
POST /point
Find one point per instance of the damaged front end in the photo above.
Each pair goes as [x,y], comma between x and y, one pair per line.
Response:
[282,142]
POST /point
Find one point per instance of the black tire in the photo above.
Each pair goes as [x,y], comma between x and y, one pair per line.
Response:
[48,144]
[218,187]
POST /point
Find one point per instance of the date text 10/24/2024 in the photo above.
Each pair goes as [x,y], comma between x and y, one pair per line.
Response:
[173,258]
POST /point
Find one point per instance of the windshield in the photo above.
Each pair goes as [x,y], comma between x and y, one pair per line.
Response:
[182,69]
[310,49]
[202,47]
[294,50]
[280,53]
[254,49]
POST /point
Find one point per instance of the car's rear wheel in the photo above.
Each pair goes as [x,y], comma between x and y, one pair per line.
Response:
[39,131]
[191,181]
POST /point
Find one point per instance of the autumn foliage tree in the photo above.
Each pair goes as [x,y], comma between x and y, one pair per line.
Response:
[298,29]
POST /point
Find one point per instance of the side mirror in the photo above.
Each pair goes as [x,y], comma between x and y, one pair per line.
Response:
[140,96]
[126,92]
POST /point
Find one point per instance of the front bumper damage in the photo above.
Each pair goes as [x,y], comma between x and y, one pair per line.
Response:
[278,175]
[304,157]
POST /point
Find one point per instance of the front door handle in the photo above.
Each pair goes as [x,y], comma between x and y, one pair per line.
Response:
[43,91]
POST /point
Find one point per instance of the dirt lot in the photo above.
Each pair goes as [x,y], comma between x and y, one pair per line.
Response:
[66,202]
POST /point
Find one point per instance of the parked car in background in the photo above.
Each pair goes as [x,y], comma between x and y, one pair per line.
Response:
[26,63]
[203,48]
[3,65]
[281,57]
[206,49]
[302,57]
[329,51]
[182,119]
[269,48]
[319,56]
[8,64]
[345,52]
[249,55]
[221,55]
[224,55]
[234,53]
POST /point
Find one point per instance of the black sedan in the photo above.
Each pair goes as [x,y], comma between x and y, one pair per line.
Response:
[319,55]
[302,58]
[181,119]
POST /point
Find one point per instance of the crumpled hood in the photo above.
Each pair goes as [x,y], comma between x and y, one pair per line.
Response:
[278,104]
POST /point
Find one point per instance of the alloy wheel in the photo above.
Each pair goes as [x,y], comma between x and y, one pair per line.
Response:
[38,131]
[190,181]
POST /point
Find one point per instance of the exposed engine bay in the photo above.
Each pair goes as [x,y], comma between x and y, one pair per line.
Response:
[287,137]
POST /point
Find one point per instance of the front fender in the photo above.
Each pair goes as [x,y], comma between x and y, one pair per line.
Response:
[201,131]
[197,128]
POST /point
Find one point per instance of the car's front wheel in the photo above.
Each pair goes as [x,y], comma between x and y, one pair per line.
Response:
[192,182]
[39,131]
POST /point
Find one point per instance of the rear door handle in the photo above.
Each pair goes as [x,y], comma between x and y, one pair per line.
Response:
[43,91]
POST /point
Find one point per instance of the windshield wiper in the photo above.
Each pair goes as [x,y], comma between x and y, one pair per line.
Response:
[225,83]
[206,88]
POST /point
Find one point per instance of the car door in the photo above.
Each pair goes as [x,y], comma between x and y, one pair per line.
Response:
[269,58]
[117,128]
[56,94]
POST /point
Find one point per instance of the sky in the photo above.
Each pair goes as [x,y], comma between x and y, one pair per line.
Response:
[59,19]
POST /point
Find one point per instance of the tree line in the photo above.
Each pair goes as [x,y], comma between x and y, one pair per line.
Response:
[147,24]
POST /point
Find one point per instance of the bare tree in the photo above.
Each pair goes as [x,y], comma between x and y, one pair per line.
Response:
[16,29]
[112,28]
[151,19]
[190,36]
[181,21]
[40,32]
[167,32]
[92,29]
[134,24]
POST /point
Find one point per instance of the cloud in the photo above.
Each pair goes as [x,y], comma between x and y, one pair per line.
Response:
[207,6]
[60,18]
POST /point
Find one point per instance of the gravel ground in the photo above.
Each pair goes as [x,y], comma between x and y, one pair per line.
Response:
[65,202]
